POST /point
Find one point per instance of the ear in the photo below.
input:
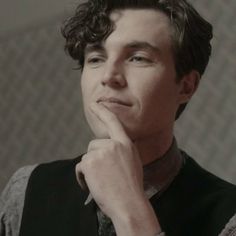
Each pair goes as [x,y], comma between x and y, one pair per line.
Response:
[188,86]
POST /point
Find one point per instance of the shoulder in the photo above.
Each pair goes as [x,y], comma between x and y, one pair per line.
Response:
[12,199]
[201,200]
[200,177]
[207,187]
[214,195]
[230,228]
[17,184]
[53,172]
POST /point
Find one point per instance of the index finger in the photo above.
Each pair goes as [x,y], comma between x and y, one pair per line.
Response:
[114,127]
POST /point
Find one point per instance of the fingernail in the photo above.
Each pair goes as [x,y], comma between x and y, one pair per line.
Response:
[88,200]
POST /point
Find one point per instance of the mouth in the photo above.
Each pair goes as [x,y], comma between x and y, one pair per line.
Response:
[113,100]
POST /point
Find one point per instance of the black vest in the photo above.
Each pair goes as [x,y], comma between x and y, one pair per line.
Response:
[197,203]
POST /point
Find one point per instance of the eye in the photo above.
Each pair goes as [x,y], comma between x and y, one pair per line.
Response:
[94,60]
[140,59]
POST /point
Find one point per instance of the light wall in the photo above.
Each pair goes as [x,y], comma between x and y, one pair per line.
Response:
[41,114]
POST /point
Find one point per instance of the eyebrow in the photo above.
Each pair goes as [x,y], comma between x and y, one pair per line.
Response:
[142,45]
[135,45]
[94,47]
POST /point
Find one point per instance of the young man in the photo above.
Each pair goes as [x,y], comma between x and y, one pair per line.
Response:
[141,63]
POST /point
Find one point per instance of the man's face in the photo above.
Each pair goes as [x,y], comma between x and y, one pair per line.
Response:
[132,73]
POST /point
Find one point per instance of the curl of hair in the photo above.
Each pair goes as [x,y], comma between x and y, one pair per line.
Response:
[90,24]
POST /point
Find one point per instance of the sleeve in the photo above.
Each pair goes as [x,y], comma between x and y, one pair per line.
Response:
[230,228]
[12,202]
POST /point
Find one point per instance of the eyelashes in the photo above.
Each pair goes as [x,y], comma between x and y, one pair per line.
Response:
[98,59]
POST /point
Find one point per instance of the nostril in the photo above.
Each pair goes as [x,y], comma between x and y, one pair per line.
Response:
[115,81]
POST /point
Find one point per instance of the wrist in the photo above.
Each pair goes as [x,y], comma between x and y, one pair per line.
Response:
[137,219]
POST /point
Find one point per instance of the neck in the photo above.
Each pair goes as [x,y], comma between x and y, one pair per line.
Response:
[154,147]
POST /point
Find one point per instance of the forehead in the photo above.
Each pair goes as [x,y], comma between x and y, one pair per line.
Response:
[146,25]
[140,15]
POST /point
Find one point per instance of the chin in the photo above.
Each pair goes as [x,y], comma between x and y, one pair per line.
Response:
[99,130]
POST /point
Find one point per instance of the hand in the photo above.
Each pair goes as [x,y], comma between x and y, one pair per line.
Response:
[113,173]
[112,168]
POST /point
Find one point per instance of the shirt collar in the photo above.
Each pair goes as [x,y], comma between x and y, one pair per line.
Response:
[159,174]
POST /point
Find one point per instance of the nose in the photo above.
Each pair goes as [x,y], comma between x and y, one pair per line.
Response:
[114,76]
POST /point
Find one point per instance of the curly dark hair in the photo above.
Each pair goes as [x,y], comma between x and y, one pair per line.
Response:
[191,34]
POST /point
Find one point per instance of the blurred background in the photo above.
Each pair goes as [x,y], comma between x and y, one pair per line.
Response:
[41,116]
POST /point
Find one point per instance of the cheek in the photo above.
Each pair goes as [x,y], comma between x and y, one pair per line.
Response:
[87,87]
[84,84]
[155,97]
[86,95]
[145,90]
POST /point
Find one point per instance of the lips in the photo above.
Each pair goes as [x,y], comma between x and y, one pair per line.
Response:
[114,100]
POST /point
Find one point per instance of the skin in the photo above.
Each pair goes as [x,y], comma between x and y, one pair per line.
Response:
[130,97]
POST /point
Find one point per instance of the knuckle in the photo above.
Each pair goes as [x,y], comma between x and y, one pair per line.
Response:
[101,153]
[129,144]
[112,145]
[91,144]
[86,162]
[83,158]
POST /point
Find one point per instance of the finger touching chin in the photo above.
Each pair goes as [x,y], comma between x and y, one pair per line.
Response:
[97,126]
